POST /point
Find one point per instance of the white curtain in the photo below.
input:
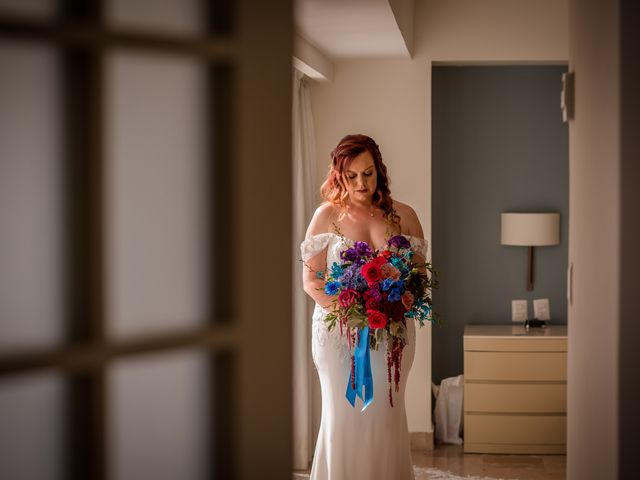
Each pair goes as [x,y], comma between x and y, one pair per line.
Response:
[304,204]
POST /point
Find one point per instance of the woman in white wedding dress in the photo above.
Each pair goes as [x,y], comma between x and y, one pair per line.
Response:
[352,444]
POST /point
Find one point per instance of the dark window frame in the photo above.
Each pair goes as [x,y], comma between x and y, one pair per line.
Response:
[81,34]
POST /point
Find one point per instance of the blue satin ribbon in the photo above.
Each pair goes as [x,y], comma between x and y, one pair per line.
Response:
[363,375]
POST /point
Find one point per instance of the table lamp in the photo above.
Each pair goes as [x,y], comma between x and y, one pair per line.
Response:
[530,230]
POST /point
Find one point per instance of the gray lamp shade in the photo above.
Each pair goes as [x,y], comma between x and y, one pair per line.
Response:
[530,229]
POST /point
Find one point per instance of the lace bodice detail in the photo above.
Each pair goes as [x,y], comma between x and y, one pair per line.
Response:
[314,244]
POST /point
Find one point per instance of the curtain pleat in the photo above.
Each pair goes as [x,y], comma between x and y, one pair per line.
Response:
[304,205]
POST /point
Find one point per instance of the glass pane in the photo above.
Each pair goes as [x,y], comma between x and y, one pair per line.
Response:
[171,16]
[159,417]
[31,197]
[32,436]
[156,174]
[30,8]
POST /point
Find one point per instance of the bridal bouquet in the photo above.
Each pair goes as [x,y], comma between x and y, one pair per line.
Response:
[377,291]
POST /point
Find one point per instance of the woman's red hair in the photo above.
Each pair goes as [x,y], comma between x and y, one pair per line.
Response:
[334,189]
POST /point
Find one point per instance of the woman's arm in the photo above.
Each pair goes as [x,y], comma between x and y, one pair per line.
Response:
[312,283]
[414,228]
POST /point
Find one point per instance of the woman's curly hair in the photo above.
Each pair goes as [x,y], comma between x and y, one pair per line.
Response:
[334,189]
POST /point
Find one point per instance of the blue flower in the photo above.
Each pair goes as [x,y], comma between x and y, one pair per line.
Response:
[398,263]
[396,291]
[332,288]
[336,270]
[394,295]
[387,283]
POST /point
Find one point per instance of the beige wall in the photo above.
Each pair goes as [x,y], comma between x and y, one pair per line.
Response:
[390,101]
[594,159]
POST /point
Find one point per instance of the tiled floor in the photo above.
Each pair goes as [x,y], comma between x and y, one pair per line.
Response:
[521,467]
[451,458]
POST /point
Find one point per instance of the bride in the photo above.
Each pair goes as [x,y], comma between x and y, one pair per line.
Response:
[352,444]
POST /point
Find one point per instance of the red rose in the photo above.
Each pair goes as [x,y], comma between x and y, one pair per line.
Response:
[348,297]
[371,304]
[376,318]
[387,254]
[371,271]
[379,261]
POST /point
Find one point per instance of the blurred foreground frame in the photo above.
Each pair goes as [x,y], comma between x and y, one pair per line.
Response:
[246,338]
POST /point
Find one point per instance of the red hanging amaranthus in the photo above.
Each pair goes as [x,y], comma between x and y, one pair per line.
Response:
[394,360]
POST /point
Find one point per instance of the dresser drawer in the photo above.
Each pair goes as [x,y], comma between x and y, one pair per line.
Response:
[515,366]
[515,429]
[515,344]
[515,397]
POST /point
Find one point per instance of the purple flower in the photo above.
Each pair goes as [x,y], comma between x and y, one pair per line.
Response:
[374,293]
[399,241]
[352,279]
[363,249]
[350,255]
[347,274]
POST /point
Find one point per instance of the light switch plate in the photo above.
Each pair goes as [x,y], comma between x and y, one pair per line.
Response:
[519,311]
[541,309]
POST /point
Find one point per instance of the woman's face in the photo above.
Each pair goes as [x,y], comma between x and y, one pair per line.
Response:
[361,178]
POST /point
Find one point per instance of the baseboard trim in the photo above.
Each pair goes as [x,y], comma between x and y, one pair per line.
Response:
[421,441]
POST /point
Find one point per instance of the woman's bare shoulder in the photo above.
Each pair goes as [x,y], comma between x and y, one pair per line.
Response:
[404,211]
[408,219]
[322,219]
[401,207]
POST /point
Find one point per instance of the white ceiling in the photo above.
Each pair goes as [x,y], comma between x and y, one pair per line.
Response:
[350,28]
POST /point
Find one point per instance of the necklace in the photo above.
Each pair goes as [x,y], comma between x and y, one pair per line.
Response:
[372,210]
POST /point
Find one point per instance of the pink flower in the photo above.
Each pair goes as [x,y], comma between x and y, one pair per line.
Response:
[407,299]
[389,271]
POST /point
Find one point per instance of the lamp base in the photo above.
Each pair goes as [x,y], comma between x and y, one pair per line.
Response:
[530,269]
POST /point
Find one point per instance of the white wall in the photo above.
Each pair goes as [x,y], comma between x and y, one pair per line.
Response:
[390,100]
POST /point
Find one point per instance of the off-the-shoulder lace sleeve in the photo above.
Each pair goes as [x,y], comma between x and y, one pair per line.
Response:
[314,244]
[419,245]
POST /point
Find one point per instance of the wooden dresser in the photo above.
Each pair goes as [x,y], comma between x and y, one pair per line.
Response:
[515,389]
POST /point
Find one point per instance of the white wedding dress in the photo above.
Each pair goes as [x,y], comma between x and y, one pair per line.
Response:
[352,444]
